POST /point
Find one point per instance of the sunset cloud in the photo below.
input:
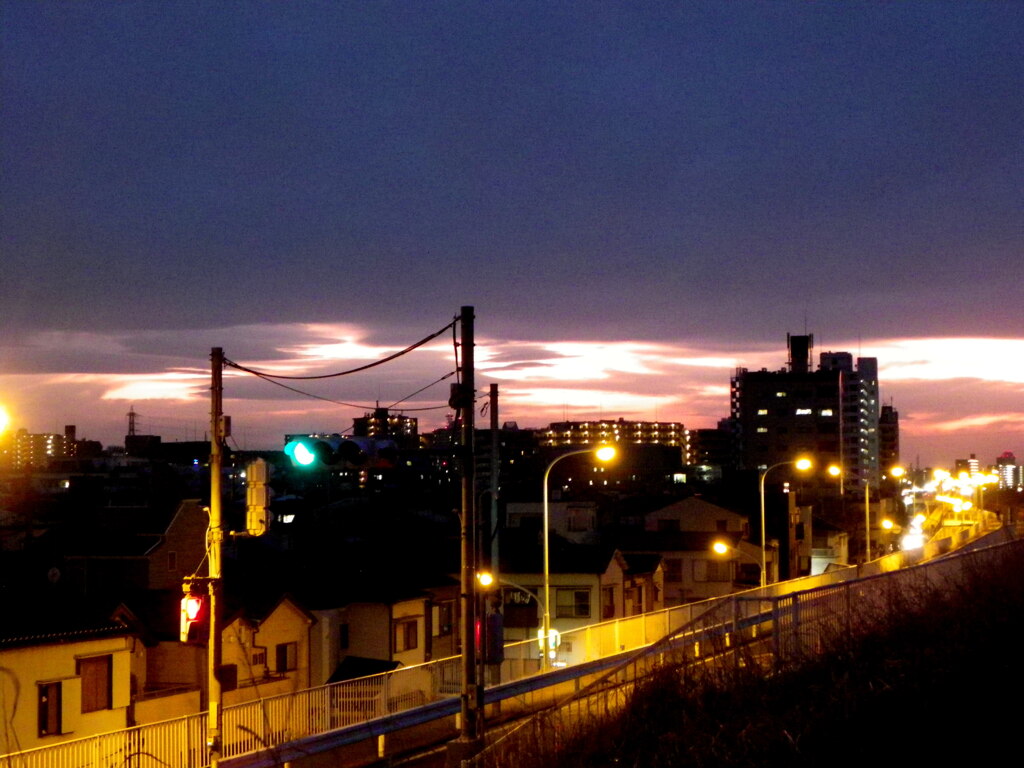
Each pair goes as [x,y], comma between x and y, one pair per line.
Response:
[950,392]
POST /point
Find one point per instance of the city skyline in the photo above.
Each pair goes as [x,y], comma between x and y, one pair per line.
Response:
[636,201]
[538,383]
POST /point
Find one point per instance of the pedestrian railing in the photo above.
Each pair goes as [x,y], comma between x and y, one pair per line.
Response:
[781,620]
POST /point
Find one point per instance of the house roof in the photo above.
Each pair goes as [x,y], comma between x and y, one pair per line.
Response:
[694,505]
[522,551]
[41,619]
[639,562]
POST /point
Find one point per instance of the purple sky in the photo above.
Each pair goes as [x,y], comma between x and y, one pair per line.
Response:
[635,199]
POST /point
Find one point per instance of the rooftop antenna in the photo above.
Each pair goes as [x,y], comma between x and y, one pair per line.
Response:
[131,420]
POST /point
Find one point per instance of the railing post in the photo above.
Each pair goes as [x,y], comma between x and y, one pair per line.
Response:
[776,630]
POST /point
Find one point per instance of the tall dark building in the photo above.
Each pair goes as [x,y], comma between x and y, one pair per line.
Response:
[384,425]
[888,437]
[830,414]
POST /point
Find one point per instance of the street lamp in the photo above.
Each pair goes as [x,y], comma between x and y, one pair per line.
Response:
[896,472]
[603,453]
[720,547]
[803,465]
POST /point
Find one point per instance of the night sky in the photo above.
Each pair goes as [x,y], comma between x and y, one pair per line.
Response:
[636,198]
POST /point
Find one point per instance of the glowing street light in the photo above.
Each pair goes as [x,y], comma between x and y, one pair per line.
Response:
[801,464]
[896,472]
[603,453]
[720,547]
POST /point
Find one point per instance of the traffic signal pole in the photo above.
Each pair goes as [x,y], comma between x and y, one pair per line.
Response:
[214,547]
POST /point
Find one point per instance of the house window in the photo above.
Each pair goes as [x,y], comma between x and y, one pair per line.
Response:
[172,561]
[97,681]
[668,524]
[442,619]
[406,636]
[343,638]
[572,604]
[673,569]
[259,657]
[287,657]
[49,709]
[722,526]
[712,570]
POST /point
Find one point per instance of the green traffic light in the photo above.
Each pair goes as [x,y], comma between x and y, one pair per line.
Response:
[302,455]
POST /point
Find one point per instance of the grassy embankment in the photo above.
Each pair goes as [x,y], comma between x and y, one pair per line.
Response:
[942,686]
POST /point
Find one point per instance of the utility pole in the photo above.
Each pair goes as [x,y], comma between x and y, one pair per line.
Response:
[470,738]
[495,469]
[214,547]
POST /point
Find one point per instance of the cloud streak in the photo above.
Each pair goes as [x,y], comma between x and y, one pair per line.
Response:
[944,388]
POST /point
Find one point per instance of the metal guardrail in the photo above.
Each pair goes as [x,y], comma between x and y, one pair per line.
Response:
[320,717]
[764,631]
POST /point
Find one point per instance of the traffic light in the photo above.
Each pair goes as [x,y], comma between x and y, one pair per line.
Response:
[318,451]
[195,616]
[257,498]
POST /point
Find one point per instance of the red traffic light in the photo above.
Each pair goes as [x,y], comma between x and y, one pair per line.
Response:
[194,625]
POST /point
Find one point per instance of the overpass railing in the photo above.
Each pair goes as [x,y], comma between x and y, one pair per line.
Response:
[270,724]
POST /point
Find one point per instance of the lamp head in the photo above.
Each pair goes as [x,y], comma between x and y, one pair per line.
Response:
[605,453]
[803,464]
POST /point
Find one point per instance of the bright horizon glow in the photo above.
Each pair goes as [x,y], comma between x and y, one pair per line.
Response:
[53,382]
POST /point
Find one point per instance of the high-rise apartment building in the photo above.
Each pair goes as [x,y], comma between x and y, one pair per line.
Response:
[671,433]
[384,425]
[37,450]
[830,414]
[1008,470]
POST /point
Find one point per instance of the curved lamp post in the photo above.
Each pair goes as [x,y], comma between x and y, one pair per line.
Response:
[603,453]
[803,465]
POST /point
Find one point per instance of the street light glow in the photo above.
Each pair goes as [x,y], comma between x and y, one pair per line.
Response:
[720,547]
[803,464]
[602,453]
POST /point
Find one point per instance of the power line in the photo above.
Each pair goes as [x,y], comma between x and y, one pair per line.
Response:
[388,359]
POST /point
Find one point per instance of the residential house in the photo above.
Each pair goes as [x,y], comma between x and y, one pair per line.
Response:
[682,533]
[64,675]
[633,583]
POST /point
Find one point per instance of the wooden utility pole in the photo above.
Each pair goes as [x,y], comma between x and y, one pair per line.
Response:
[471,712]
[214,547]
